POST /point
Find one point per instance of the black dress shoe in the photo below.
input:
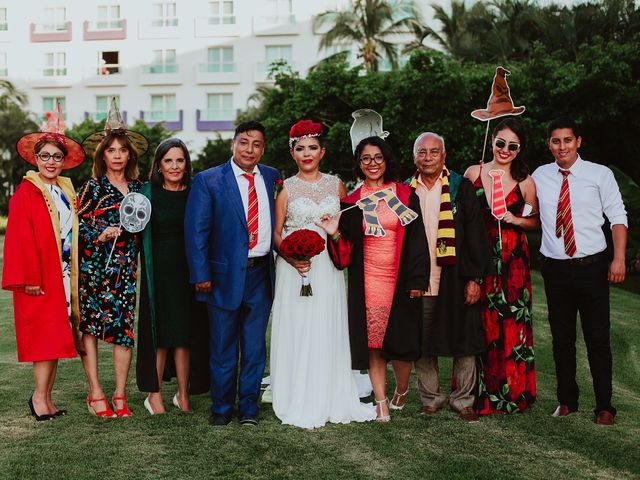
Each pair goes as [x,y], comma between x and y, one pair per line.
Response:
[39,418]
[217,420]
[249,420]
[60,413]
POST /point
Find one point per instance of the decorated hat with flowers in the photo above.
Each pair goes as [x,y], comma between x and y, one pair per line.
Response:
[304,129]
[52,129]
[115,124]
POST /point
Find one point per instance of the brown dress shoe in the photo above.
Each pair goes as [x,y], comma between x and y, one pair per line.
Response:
[604,418]
[562,411]
[468,415]
[428,410]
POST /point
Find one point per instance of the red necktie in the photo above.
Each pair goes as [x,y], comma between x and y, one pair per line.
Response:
[498,203]
[564,222]
[252,211]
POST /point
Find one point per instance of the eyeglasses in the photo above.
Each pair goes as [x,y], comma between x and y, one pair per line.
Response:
[46,156]
[512,147]
[367,159]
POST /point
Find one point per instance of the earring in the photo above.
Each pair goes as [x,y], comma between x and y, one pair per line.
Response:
[159,171]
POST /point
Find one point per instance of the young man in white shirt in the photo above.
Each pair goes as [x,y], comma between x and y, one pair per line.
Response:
[574,197]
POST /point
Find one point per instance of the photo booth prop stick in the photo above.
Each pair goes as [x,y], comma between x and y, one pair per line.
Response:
[368,206]
[367,123]
[135,213]
[499,104]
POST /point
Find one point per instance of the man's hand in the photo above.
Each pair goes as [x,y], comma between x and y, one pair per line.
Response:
[617,271]
[203,287]
[472,292]
[415,293]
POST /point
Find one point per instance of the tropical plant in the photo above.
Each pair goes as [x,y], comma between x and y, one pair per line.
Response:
[370,25]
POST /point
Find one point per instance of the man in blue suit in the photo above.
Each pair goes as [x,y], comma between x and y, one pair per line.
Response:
[229,246]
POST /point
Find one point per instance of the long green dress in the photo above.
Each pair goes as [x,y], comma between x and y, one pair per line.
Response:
[173,296]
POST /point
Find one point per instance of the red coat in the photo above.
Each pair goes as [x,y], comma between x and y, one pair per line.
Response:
[31,257]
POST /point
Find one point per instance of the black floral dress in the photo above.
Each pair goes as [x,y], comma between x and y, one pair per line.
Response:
[107,295]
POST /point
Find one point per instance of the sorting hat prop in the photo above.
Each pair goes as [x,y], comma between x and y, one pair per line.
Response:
[53,129]
[115,123]
[367,123]
[499,104]
[135,213]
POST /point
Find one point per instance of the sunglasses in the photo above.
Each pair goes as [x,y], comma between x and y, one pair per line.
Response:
[512,147]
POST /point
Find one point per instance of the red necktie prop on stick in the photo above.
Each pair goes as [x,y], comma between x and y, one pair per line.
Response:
[498,202]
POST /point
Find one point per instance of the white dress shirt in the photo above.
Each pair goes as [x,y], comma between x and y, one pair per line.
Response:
[593,191]
[263,247]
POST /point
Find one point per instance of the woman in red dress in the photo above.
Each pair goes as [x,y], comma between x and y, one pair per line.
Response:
[387,275]
[40,261]
[508,377]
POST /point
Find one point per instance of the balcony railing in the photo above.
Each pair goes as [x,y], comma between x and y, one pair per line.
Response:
[4,26]
[59,32]
[164,22]
[205,121]
[160,68]
[222,20]
[98,116]
[105,30]
[275,25]
[218,67]
[172,119]
[4,72]
[54,72]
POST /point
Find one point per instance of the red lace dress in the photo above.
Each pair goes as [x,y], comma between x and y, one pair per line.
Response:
[379,271]
[507,380]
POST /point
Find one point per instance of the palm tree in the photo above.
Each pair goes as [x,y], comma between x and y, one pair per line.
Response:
[370,25]
[9,94]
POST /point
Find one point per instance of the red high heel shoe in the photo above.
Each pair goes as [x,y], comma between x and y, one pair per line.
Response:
[106,413]
[124,411]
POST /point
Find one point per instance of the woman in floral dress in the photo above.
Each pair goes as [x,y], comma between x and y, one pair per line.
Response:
[108,292]
[507,378]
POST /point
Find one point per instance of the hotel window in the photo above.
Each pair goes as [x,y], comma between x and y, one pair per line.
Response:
[281,12]
[221,13]
[4,71]
[55,19]
[102,106]
[163,107]
[163,61]
[220,59]
[278,52]
[164,14]
[55,64]
[108,17]
[220,106]
[4,25]
[49,105]
[108,63]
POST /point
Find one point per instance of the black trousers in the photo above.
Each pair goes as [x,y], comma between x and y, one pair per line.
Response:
[573,288]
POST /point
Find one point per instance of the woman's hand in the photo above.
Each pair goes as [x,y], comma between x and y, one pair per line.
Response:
[302,266]
[33,290]
[329,224]
[109,233]
[512,219]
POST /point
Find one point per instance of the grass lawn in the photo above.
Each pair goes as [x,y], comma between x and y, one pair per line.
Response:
[175,445]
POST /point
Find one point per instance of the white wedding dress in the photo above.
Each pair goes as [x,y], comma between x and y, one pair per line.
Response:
[311,374]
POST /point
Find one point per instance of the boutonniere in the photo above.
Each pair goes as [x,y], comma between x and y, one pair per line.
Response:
[277,188]
[454,209]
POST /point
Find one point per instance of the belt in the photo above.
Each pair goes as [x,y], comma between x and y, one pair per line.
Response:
[578,262]
[255,261]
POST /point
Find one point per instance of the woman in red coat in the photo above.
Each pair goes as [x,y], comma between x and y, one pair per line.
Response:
[40,261]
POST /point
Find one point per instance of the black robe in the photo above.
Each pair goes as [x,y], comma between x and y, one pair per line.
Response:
[456,329]
[403,334]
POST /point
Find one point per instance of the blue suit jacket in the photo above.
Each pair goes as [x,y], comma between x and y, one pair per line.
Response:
[216,235]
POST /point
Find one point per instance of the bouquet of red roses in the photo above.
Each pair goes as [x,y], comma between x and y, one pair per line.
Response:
[302,245]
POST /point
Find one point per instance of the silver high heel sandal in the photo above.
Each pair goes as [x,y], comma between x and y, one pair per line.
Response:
[395,406]
[382,418]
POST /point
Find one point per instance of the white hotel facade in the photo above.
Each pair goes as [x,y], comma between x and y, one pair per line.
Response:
[191,64]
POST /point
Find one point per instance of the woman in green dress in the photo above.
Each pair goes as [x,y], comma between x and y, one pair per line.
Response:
[168,312]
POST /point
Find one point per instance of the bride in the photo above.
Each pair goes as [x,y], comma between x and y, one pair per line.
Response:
[311,374]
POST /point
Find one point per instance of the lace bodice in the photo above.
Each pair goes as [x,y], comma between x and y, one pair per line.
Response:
[308,201]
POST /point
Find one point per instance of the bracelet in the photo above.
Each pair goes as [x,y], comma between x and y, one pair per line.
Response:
[336,236]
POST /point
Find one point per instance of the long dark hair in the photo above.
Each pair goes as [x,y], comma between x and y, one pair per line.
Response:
[155,176]
[519,168]
[390,174]
[99,165]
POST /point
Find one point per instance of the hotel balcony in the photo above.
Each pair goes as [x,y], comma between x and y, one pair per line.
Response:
[218,73]
[52,77]
[172,119]
[4,72]
[275,25]
[99,116]
[162,27]
[50,32]
[105,75]
[218,26]
[105,30]
[160,74]
[214,120]
[261,72]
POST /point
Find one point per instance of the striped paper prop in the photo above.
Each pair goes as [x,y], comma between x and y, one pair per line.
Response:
[368,206]
[498,202]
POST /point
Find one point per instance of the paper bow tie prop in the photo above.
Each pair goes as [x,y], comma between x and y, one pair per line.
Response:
[368,206]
